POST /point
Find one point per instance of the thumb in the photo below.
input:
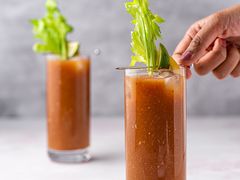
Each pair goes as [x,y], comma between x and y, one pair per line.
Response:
[200,42]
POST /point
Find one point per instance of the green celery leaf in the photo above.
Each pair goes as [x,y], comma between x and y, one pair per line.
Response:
[52,31]
[145,34]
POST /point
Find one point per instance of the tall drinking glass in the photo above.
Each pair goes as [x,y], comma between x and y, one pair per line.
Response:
[155,124]
[68,109]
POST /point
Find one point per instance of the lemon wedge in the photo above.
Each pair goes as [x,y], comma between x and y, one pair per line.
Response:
[173,64]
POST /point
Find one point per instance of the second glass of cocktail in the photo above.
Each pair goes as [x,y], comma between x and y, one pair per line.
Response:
[67,87]
[155,124]
[155,118]
[68,109]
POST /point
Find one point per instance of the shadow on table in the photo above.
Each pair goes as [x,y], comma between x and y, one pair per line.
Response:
[113,157]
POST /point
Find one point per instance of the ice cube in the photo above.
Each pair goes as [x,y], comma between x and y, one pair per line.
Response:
[172,81]
[164,74]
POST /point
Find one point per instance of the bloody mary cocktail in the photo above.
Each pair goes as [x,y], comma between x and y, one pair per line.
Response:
[155,124]
[68,108]
[68,88]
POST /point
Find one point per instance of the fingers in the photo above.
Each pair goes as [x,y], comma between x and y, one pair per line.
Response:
[185,42]
[236,71]
[229,65]
[212,59]
[210,29]
[234,40]
[202,47]
[188,73]
[221,60]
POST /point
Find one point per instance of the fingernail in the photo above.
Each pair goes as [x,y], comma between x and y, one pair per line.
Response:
[186,56]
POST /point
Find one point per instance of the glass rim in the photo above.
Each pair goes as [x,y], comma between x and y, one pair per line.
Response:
[145,68]
[137,71]
[58,58]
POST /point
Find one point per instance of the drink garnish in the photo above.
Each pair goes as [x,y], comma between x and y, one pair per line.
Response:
[52,31]
[145,35]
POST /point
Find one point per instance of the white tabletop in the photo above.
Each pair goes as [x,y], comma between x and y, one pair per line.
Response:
[213,151]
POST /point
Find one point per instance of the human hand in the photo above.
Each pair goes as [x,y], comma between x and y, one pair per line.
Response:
[212,44]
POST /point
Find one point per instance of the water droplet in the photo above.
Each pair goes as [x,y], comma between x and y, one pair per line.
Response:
[97,52]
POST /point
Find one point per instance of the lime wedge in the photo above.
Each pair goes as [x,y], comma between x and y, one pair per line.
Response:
[73,49]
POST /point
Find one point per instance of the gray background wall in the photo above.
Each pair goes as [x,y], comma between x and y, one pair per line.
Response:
[102,24]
